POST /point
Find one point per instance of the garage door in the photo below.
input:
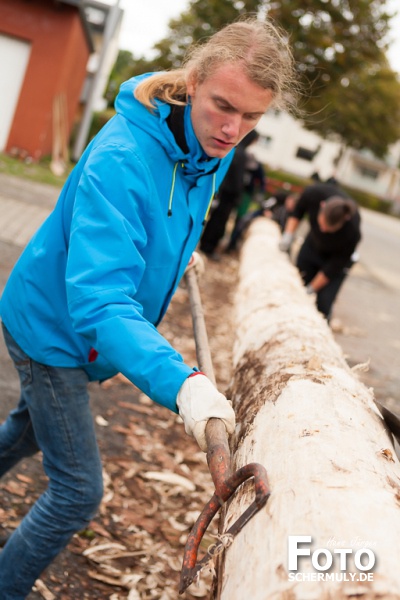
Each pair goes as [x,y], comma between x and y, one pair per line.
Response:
[14,56]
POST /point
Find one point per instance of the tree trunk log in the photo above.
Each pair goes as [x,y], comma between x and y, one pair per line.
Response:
[306,417]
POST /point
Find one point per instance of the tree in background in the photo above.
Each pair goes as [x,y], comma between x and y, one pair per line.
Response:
[201,20]
[364,110]
[121,71]
[350,92]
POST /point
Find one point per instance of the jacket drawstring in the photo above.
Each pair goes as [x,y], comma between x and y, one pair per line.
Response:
[211,199]
[171,195]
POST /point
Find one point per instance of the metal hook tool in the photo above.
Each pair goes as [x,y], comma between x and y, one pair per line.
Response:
[218,459]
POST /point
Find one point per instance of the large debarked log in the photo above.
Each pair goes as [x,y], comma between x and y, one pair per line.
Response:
[304,415]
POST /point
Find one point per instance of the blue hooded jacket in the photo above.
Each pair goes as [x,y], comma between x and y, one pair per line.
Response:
[97,277]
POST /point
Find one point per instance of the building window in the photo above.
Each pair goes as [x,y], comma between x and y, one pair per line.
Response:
[305,154]
[368,172]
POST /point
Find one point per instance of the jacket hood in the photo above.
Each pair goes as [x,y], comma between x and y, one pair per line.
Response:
[156,124]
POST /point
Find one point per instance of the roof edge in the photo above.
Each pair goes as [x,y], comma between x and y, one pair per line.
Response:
[85,24]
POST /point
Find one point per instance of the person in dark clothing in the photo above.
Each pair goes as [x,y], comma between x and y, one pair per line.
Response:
[325,257]
[254,176]
[229,197]
[254,188]
[281,206]
[277,208]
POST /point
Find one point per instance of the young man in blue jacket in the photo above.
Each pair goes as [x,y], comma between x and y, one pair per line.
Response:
[85,298]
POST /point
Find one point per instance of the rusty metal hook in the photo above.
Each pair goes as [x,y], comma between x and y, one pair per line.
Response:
[191,567]
[218,459]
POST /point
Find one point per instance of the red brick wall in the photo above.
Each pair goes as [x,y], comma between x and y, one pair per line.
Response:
[57,64]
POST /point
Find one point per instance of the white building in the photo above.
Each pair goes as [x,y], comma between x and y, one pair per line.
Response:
[286,145]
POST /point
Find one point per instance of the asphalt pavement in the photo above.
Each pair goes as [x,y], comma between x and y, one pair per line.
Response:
[368,308]
[23,206]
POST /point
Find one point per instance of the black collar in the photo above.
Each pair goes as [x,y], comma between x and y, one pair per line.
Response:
[176,123]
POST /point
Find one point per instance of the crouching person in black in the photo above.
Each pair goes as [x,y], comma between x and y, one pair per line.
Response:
[326,255]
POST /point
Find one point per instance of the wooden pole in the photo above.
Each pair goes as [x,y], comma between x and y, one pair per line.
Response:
[304,415]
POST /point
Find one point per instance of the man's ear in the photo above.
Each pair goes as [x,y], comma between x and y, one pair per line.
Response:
[191,83]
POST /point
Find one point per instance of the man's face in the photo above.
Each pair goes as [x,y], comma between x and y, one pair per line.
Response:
[225,107]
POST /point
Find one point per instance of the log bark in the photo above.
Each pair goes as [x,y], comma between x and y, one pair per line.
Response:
[304,414]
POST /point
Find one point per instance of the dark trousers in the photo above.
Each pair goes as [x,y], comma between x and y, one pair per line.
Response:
[309,263]
[215,229]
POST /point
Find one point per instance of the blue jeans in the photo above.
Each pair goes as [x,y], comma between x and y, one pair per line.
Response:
[53,416]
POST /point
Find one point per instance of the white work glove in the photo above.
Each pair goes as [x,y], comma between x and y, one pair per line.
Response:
[286,241]
[310,290]
[196,262]
[199,400]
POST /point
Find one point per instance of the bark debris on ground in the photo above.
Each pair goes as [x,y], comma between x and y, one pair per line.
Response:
[156,478]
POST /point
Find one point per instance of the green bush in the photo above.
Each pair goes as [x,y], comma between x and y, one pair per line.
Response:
[370,201]
[287,177]
[35,171]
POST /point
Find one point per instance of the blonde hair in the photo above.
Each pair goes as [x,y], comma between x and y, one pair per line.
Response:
[259,46]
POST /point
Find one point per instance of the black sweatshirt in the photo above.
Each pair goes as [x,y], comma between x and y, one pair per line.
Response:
[334,248]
